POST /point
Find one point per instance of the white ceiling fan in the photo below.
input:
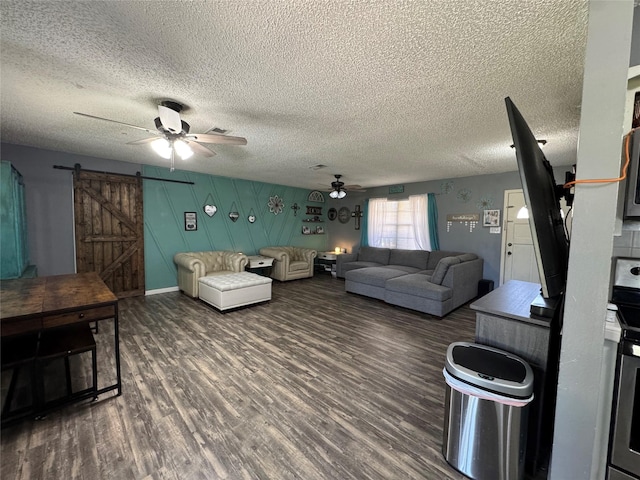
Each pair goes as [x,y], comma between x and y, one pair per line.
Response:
[172,135]
[339,189]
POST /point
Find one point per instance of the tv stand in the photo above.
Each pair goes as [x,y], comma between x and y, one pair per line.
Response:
[504,320]
[544,307]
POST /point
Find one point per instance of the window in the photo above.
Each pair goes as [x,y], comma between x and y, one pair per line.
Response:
[399,224]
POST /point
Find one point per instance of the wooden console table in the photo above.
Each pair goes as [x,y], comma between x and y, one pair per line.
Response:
[37,304]
[503,320]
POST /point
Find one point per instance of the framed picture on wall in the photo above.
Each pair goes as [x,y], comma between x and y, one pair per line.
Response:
[491,218]
[190,221]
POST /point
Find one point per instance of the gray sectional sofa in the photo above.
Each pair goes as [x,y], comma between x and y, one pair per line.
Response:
[431,282]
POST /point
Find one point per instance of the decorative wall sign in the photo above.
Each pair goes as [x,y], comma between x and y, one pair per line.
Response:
[357,214]
[395,189]
[491,218]
[316,196]
[314,210]
[344,214]
[233,214]
[468,219]
[190,221]
[209,208]
[276,204]
[252,216]
[332,214]
[295,207]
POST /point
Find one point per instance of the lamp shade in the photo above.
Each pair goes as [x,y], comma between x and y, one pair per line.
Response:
[334,194]
[342,194]
[162,147]
[182,149]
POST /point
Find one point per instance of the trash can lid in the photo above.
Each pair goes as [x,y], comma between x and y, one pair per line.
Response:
[489,368]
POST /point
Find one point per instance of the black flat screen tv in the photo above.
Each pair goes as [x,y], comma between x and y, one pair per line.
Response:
[542,197]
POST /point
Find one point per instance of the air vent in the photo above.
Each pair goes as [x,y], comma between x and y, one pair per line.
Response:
[318,167]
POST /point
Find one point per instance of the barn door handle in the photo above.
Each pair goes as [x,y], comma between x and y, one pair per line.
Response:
[509,244]
[508,253]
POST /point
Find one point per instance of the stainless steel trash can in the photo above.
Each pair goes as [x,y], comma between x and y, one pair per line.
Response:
[488,394]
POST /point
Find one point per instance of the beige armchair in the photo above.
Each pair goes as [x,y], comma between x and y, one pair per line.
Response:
[193,265]
[290,263]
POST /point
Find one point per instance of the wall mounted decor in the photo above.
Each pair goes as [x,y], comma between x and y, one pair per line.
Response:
[306,230]
[491,218]
[485,203]
[446,187]
[344,214]
[295,207]
[314,210]
[233,214]
[252,216]
[464,195]
[470,220]
[357,214]
[316,196]
[396,189]
[276,204]
[208,207]
[190,221]
[332,214]
[319,229]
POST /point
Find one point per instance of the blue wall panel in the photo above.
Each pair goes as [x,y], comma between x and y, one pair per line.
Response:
[165,204]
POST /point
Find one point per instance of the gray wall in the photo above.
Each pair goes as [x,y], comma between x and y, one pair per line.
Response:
[483,192]
[49,199]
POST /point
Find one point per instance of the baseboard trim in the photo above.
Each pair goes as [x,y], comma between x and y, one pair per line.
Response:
[161,290]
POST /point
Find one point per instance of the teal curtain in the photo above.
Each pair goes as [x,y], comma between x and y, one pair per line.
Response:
[432,213]
[364,225]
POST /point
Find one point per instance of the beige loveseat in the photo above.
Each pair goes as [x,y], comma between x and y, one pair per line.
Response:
[193,265]
[290,263]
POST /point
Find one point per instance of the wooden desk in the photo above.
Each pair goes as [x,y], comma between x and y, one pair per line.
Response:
[36,304]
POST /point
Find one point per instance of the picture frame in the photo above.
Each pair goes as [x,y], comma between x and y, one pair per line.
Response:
[491,218]
[306,230]
[190,221]
[319,229]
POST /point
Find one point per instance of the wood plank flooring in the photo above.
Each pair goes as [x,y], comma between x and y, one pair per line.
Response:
[315,384]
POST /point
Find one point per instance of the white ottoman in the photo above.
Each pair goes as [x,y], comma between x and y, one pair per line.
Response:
[234,290]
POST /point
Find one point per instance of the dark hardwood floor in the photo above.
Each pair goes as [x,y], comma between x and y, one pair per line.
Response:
[315,384]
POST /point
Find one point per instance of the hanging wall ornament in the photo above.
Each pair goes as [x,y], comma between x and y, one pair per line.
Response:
[295,209]
[252,216]
[209,208]
[233,214]
[276,204]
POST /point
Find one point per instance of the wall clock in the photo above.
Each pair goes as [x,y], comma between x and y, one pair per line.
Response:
[332,214]
[344,214]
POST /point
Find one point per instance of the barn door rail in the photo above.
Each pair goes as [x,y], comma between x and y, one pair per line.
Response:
[77,168]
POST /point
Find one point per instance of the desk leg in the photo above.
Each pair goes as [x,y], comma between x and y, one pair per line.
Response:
[117,350]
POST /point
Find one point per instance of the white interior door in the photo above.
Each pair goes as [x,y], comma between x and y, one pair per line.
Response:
[518,257]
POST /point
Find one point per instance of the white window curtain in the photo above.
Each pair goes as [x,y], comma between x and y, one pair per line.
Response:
[400,224]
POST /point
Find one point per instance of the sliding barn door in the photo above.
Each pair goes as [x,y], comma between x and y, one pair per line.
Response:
[110,230]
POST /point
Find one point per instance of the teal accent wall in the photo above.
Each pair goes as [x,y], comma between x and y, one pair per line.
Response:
[166,202]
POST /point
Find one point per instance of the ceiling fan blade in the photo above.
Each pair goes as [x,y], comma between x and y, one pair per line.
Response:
[115,121]
[219,139]
[143,141]
[201,149]
[354,188]
[170,119]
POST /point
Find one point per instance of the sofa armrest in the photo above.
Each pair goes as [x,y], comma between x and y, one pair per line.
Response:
[308,254]
[274,252]
[189,262]
[463,279]
[235,262]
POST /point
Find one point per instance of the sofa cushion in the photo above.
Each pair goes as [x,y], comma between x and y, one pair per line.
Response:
[436,256]
[419,286]
[374,254]
[410,258]
[442,268]
[403,268]
[298,265]
[467,257]
[375,276]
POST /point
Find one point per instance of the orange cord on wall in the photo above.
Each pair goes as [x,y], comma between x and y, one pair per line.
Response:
[608,180]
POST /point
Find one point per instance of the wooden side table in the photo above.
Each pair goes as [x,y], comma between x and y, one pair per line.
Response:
[327,262]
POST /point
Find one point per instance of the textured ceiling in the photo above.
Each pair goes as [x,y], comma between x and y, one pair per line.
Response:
[382,92]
